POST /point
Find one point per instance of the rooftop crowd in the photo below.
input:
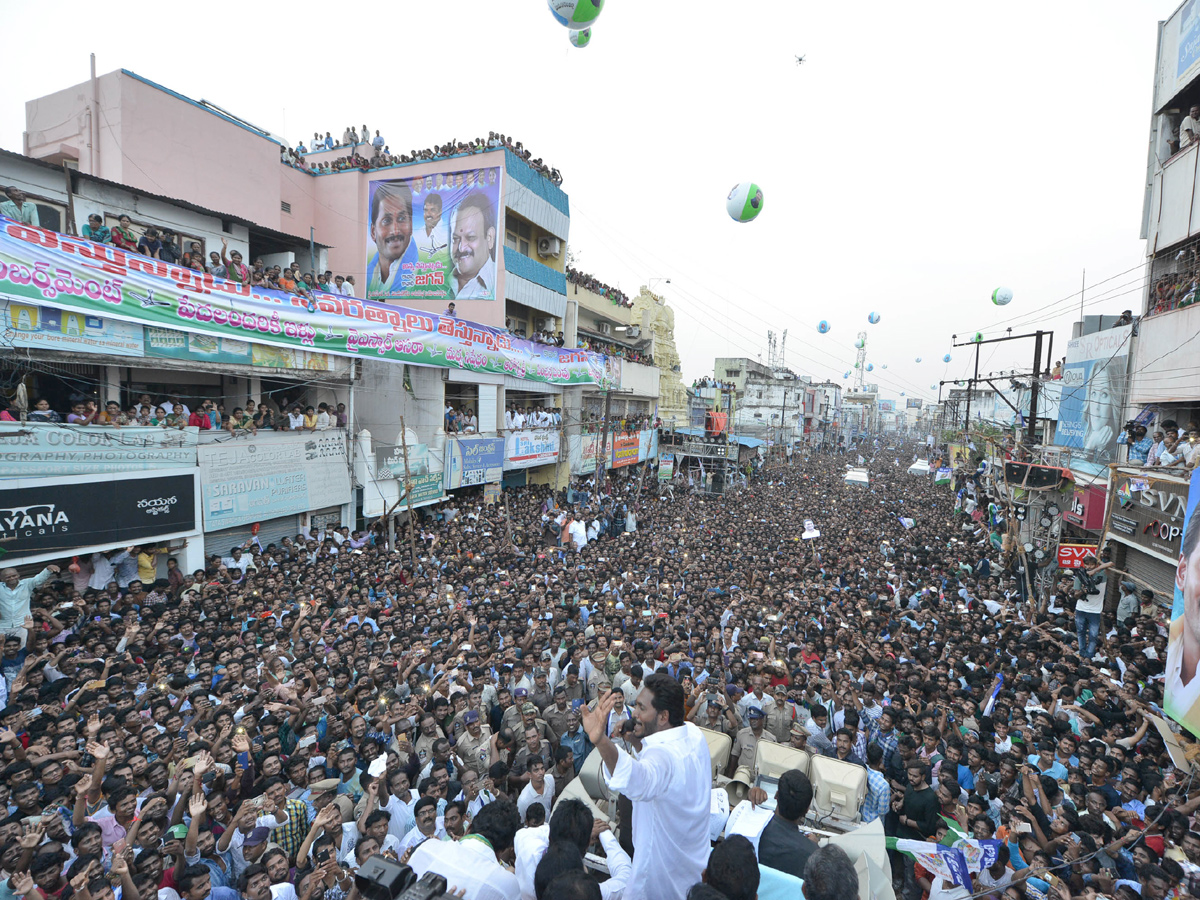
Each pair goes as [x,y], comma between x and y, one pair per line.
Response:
[596,286]
[259,728]
[372,152]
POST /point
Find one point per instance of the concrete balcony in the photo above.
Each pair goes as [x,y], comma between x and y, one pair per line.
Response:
[598,308]
[639,378]
[1163,358]
[532,284]
[1174,203]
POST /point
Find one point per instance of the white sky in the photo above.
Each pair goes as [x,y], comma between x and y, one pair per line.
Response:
[923,154]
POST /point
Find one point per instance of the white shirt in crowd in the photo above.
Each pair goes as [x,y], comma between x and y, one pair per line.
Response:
[530,845]
[529,796]
[469,865]
[1188,124]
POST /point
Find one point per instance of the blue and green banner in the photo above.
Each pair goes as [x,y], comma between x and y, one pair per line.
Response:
[48,269]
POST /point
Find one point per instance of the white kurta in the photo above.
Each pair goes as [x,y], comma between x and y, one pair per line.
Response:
[671,789]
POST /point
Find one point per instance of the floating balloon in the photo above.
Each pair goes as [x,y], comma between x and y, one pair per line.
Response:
[1002,296]
[580,38]
[846,375]
[823,327]
[859,343]
[870,367]
[744,202]
[946,358]
[858,365]
[575,14]
[902,393]
[884,366]
[978,337]
[933,387]
[873,318]
[918,359]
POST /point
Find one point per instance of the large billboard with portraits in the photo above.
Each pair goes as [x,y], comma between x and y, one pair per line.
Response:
[1182,687]
[435,236]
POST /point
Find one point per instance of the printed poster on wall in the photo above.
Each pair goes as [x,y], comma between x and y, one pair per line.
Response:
[47,328]
[1182,701]
[666,466]
[473,460]
[1093,393]
[435,237]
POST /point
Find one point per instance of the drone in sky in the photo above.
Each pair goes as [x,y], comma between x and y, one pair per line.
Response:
[800,59]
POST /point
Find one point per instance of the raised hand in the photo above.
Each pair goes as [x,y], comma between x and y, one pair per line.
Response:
[98,749]
[197,805]
[595,720]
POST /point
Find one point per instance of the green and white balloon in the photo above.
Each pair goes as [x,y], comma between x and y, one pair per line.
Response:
[576,14]
[580,38]
[744,202]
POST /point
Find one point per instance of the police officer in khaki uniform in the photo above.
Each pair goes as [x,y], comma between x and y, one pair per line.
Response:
[473,746]
[781,716]
[746,742]
[556,715]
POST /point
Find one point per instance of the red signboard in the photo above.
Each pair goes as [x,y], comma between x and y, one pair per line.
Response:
[1087,508]
[624,450]
[1075,556]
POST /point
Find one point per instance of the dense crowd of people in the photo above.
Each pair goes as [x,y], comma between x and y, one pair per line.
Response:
[372,152]
[596,286]
[260,727]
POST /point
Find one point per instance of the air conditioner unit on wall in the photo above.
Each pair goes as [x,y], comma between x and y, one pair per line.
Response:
[544,324]
[604,328]
[549,247]
[634,331]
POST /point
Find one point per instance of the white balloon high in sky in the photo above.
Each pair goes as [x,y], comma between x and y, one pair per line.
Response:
[744,202]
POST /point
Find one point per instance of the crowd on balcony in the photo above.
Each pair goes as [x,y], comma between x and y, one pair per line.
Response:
[591,283]
[593,423]
[707,382]
[620,351]
[1175,289]
[372,152]
[524,418]
[174,412]
[1167,446]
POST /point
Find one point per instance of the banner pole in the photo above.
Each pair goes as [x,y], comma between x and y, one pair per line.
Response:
[412,535]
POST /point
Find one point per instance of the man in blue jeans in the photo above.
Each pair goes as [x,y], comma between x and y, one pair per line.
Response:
[1087,612]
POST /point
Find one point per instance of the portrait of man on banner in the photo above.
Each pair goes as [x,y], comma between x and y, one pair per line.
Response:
[391,232]
[1182,701]
[435,237]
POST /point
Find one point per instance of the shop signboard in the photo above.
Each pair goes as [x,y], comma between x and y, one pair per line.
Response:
[39,515]
[473,460]
[272,474]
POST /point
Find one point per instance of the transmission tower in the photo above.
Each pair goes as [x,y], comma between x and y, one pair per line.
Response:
[860,361]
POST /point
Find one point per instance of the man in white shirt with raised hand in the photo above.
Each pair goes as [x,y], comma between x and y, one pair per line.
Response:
[670,787]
